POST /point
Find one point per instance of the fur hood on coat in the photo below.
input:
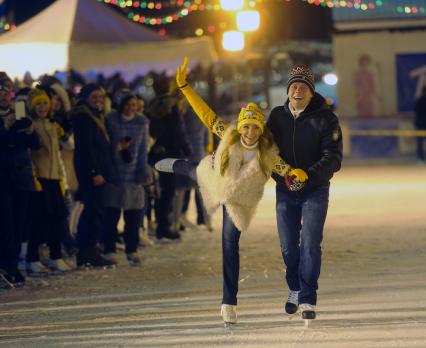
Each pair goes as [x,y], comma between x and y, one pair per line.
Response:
[241,188]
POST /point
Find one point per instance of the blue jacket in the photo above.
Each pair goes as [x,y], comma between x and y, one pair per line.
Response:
[136,171]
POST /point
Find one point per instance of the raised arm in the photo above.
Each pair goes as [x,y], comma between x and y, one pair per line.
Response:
[209,118]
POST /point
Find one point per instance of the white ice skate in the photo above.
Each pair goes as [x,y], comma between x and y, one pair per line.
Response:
[308,313]
[229,314]
[165,165]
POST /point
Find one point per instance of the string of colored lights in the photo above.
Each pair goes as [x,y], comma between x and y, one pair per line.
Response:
[4,26]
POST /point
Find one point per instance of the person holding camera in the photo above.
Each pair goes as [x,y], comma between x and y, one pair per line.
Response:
[128,132]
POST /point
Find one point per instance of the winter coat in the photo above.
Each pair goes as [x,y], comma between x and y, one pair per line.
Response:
[128,193]
[168,129]
[46,159]
[15,158]
[312,142]
[93,153]
[240,188]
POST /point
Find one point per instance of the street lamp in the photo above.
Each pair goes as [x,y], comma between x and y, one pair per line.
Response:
[248,20]
[231,5]
[233,41]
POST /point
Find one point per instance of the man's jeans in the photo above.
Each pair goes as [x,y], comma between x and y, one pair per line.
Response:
[301,218]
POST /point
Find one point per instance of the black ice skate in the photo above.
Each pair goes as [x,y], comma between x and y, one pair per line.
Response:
[308,313]
[292,304]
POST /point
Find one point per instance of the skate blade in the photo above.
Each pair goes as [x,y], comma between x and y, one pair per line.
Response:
[5,284]
[308,323]
[228,325]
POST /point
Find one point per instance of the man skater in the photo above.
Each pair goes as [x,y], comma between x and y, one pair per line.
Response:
[309,137]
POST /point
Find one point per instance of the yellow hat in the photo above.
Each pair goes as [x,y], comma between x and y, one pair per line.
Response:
[251,114]
[35,96]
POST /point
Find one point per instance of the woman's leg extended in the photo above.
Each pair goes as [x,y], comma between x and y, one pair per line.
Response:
[231,259]
[178,166]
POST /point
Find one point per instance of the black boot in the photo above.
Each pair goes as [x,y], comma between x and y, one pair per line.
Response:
[91,257]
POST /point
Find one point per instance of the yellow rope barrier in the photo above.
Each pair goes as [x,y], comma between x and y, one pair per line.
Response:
[389,133]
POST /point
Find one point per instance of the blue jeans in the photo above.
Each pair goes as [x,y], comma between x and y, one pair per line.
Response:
[300,219]
[230,242]
[231,259]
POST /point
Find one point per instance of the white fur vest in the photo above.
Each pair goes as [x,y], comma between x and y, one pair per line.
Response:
[240,188]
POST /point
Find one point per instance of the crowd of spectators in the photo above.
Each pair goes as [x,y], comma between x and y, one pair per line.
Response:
[73,162]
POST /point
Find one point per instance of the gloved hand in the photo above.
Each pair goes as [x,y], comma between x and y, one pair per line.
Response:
[181,73]
[37,185]
[295,179]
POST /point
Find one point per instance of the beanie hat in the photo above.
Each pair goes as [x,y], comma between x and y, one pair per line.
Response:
[301,73]
[87,90]
[251,114]
[35,96]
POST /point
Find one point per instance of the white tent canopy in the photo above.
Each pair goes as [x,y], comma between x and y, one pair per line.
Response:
[90,37]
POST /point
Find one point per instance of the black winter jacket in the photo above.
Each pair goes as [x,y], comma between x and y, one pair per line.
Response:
[312,141]
[93,154]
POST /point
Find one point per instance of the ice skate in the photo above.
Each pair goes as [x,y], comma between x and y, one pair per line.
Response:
[58,265]
[37,269]
[229,314]
[292,304]
[308,313]
[165,165]
[134,259]
[5,283]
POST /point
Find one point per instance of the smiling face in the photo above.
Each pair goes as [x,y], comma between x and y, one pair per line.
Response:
[42,108]
[96,99]
[299,95]
[250,133]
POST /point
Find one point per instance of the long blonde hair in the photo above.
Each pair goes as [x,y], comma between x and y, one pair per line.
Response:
[265,143]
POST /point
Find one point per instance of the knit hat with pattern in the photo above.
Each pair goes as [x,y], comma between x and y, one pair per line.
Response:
[251,114]
[301,73]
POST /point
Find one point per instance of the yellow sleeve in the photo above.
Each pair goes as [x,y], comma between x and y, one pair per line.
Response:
[212,121]
[280,167]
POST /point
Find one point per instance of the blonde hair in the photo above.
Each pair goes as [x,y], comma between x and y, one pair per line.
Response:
[265,144]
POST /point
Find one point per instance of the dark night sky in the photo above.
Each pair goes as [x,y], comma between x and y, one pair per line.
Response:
[281,20]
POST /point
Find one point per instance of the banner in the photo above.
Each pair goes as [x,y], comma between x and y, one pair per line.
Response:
[411,77]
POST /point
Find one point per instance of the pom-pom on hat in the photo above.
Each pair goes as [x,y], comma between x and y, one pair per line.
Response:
[301,73]
[251,114]
[35,96]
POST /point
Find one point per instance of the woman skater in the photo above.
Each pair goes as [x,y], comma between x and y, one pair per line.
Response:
[233,177]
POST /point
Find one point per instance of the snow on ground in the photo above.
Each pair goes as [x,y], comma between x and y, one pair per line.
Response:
[372,287]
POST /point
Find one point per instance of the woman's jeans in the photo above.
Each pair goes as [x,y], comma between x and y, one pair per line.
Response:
[230,240]
[301,218]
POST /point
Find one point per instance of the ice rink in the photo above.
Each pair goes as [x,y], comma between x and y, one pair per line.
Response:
[372,285]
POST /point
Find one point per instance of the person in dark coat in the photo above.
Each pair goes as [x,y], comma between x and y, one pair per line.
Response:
[167,127]
[93,162]
[309,137]
[16,181]
[420,123]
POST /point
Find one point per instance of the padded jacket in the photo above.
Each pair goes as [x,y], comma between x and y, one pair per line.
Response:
[312,141]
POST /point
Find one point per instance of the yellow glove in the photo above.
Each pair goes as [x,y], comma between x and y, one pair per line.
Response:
[181,73]
[60,131]
[298,175]
[37,185]
[62,187]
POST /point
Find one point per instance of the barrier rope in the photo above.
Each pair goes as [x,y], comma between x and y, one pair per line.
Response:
[390,133]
